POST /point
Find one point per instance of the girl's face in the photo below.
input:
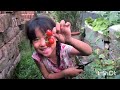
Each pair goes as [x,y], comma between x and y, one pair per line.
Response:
[40,44]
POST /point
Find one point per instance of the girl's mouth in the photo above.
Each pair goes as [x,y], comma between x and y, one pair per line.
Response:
[45,50]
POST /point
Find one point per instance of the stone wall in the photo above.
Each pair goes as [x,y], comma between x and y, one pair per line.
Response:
[10,37]
[109,46]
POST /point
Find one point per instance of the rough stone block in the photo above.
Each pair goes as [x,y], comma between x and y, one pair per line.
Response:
[1,39]
[9,34]
[1,76]
[14,22]
[5,20]
[3,64]
[2,27]
[10,72]
[114,49]
[113,30]
[95,38]
[5,52]
[1,54]
[16,30]
[17,60]
[12,66]
[4,72]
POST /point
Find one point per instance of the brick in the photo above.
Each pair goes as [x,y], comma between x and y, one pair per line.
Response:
[1,54]
[3,63]
[4,72]
[11,67]
[16,44]
[1,39]
[21,35]
[18,15]
[14,22]
[27,16]
[9,34]
[4,52]
[5,20]
[18,39]
[1,76]
[17,60]
[2,28]
[11,49]
[16,30]
[10,72]
[19,20]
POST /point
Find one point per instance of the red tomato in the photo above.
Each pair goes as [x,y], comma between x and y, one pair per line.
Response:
[51,40]
[49,33]
[48,44]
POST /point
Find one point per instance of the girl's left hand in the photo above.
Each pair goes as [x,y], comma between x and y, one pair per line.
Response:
[62,31]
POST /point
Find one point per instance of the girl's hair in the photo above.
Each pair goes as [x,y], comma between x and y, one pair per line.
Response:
[43,23]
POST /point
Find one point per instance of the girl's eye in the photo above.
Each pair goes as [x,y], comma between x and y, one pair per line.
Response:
[36,39]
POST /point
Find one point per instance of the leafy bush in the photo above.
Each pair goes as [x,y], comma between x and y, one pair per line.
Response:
[105,20]
[26,68]
[101,67]
[112,16]
[99,24]
[70,16]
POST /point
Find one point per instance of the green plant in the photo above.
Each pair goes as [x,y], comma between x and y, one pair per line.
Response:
[101,67]
[26,68]
[99,24]
[112,16]
[106,19]
[117,34]
[69,16]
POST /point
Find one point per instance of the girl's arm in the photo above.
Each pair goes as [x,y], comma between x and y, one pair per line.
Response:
[67,72]
[80,47]
[62,32]
[47,74]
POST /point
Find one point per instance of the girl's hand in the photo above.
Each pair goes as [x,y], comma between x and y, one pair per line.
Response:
[72,71]
[62,31]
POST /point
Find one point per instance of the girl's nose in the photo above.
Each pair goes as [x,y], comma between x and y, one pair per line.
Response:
[42,42]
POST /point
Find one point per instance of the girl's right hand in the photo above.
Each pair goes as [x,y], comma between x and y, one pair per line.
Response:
[72,71]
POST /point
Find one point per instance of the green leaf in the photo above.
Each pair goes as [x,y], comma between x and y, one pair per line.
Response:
[97,51]
[109,67]
[102,56]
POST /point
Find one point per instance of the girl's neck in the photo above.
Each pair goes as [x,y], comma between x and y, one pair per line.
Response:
[53,57]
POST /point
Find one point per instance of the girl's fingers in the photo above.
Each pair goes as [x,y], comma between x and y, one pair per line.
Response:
[57,27]
[55,32]
[67,24]
[62,24]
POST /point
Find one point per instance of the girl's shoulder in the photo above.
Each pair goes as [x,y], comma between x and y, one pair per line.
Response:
[66,46]
[35,56]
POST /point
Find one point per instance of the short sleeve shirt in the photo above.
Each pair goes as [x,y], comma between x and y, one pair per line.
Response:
[66,60]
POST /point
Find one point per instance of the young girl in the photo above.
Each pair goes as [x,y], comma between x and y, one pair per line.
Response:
[55,60]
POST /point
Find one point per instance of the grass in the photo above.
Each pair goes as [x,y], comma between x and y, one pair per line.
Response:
[26,68]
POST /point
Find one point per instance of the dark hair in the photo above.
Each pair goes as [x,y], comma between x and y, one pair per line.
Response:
[43,23]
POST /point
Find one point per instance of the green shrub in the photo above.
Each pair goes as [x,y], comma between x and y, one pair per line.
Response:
[26,68]
[69,16]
